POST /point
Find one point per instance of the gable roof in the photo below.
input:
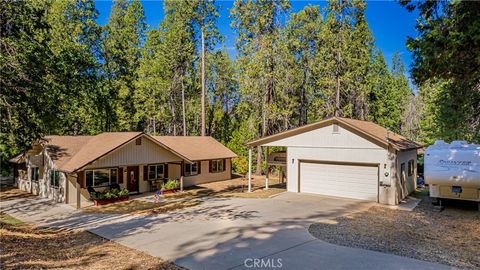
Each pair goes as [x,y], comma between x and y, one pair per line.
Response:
[95,148]
[196,147]
[71,153]
[370,130]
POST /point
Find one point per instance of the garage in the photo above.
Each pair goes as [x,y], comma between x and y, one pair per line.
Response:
[356,181]
[342,157]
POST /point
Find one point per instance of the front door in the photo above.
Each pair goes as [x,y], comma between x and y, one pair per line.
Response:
[132,178]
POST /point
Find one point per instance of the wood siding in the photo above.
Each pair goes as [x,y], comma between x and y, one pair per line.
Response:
[132,154]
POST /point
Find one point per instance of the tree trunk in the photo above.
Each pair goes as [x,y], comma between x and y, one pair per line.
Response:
[259,161]
[183,110]
[203,84]
[339,59]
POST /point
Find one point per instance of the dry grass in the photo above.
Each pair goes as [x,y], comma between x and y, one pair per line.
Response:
[138,207]
[450,237]
[24,246]
[236,187]
[12,193]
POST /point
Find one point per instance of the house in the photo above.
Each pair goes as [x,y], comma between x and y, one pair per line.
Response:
[62,167]
[346,158]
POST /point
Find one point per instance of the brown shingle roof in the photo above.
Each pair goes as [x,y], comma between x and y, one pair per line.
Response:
[96,147]
[373,131]
[196,147]
[382,133]
[61,149]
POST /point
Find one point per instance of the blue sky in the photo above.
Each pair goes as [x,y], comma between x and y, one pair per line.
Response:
[390,23]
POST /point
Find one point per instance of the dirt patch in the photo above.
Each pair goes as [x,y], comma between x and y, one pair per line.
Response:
[23,246]
[236,187]
[12,193]
[138,207]
[450,237]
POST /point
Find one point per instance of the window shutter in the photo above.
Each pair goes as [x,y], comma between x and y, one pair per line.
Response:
[165,170]
[145,172]
[210,166]
[224,163]
[199,167]
[120,175]
[81,178]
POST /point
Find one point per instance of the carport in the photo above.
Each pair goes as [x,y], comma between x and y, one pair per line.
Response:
[344,157]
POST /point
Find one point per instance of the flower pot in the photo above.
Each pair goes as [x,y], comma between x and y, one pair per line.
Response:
[168,191]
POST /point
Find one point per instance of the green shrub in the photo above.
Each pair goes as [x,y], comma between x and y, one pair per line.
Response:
[170,184]
[112,194]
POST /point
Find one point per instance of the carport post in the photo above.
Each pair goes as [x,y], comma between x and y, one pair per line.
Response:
[249,169]
[267,168]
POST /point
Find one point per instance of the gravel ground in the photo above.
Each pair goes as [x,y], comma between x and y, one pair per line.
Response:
[450,237]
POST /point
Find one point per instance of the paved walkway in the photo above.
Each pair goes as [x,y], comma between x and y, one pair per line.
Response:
[227,233]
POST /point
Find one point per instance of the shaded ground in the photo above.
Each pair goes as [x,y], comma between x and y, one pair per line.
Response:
[237,187]
[144,204]
[24,246]
[451,237]
[11,193]
[141,207]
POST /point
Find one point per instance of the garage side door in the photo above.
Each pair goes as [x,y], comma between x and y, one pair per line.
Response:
[340,180]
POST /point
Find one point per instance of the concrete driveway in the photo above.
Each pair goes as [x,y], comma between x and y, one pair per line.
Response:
[231,233]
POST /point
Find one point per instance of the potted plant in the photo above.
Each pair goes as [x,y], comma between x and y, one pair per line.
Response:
[111,196]
[171,186]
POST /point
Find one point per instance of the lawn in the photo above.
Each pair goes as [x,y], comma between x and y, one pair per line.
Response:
[24,246]
[450,237]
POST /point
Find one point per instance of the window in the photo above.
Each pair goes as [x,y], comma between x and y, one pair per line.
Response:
[217,165]
[410,167]
[54,178]
[101,177]
[402,171]
[191,169]
[138,141]
[155,171]
[34,174]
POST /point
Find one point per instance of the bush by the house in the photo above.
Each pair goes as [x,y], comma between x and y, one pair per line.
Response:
[112,194]
[170,184]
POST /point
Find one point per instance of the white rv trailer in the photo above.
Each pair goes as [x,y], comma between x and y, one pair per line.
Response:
[453,170]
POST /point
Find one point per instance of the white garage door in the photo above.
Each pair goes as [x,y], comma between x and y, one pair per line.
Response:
[340,180]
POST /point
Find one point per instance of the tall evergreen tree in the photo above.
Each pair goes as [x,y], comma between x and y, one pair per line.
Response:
[73,41]
[257,25]
[302,34]
[447,60]
[124,36]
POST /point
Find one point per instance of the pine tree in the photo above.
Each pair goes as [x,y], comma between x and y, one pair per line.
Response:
[257,25]
[222,94]
[73,41]
[124,36]
[302,34]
